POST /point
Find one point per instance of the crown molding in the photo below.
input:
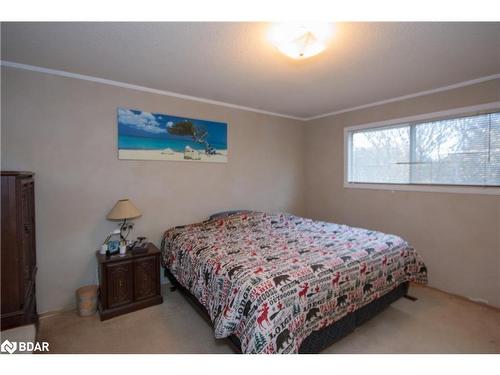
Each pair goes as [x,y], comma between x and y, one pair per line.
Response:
[150,90]
[409,96]
[105,81]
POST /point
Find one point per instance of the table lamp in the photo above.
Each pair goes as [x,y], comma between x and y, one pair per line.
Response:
[124,209]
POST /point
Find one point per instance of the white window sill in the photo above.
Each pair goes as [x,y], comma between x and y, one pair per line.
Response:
[426,188]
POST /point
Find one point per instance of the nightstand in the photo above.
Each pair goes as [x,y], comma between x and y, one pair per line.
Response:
[128,282]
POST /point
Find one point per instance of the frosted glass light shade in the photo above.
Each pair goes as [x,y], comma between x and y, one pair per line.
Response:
[300,41]
[123,209]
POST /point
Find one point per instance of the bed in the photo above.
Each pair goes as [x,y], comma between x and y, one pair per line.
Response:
[279,283]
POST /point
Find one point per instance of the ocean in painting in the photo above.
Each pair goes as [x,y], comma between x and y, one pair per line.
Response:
[151,136]
[145,143]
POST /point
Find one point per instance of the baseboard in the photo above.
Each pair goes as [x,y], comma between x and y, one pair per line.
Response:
[165,287]
[49,314]
[480,303]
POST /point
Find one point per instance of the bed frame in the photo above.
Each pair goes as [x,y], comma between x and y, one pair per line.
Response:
[318,340]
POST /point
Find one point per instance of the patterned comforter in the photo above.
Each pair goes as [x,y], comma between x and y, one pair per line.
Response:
[272,279]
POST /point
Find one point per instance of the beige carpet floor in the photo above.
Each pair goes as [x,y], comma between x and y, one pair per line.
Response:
[436,323]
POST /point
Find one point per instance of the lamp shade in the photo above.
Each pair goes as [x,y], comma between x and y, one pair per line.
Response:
[123,209]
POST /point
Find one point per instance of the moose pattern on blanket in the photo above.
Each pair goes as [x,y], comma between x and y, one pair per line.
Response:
[273,279]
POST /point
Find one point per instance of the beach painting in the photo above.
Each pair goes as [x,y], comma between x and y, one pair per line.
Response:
[153,136]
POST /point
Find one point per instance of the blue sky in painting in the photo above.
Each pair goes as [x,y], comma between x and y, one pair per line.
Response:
[135,123]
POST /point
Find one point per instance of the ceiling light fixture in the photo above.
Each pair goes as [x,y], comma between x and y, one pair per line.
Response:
[300,40]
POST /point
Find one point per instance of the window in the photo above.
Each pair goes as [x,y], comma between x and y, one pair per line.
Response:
[458,150]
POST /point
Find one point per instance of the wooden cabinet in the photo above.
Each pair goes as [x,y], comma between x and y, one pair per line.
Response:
[129,282]
[18,250]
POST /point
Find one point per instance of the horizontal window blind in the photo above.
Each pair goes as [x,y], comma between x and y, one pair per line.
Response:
[454,151]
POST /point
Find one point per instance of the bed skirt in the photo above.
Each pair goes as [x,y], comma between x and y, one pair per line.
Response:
[317,340]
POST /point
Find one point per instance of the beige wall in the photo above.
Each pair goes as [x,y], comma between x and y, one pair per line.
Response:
[458,235]
[65,130]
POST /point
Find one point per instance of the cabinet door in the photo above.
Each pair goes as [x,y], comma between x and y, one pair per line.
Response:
[119,283]
[31,205]
[146,277]
[28,230]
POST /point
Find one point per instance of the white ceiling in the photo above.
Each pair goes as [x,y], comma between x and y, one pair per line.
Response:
[234,63]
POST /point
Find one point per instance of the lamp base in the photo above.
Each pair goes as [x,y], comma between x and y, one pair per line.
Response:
[125,230]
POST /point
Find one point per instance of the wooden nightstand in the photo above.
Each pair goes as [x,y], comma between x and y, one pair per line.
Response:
[128,283]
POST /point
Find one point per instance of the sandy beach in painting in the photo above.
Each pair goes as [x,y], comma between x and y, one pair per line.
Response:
[221,156]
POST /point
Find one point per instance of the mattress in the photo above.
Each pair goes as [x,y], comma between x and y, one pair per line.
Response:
[271,280]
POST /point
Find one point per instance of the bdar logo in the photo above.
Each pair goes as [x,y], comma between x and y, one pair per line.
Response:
[24,346]
[9,347]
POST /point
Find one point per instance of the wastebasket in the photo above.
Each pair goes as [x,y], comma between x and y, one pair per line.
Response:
[86,300]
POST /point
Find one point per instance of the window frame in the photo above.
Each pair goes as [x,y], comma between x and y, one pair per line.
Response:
[441,115]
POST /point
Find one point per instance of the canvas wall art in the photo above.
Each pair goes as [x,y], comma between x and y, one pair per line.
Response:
[153,136]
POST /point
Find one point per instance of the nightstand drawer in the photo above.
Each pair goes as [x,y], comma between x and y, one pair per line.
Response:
[119,283]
